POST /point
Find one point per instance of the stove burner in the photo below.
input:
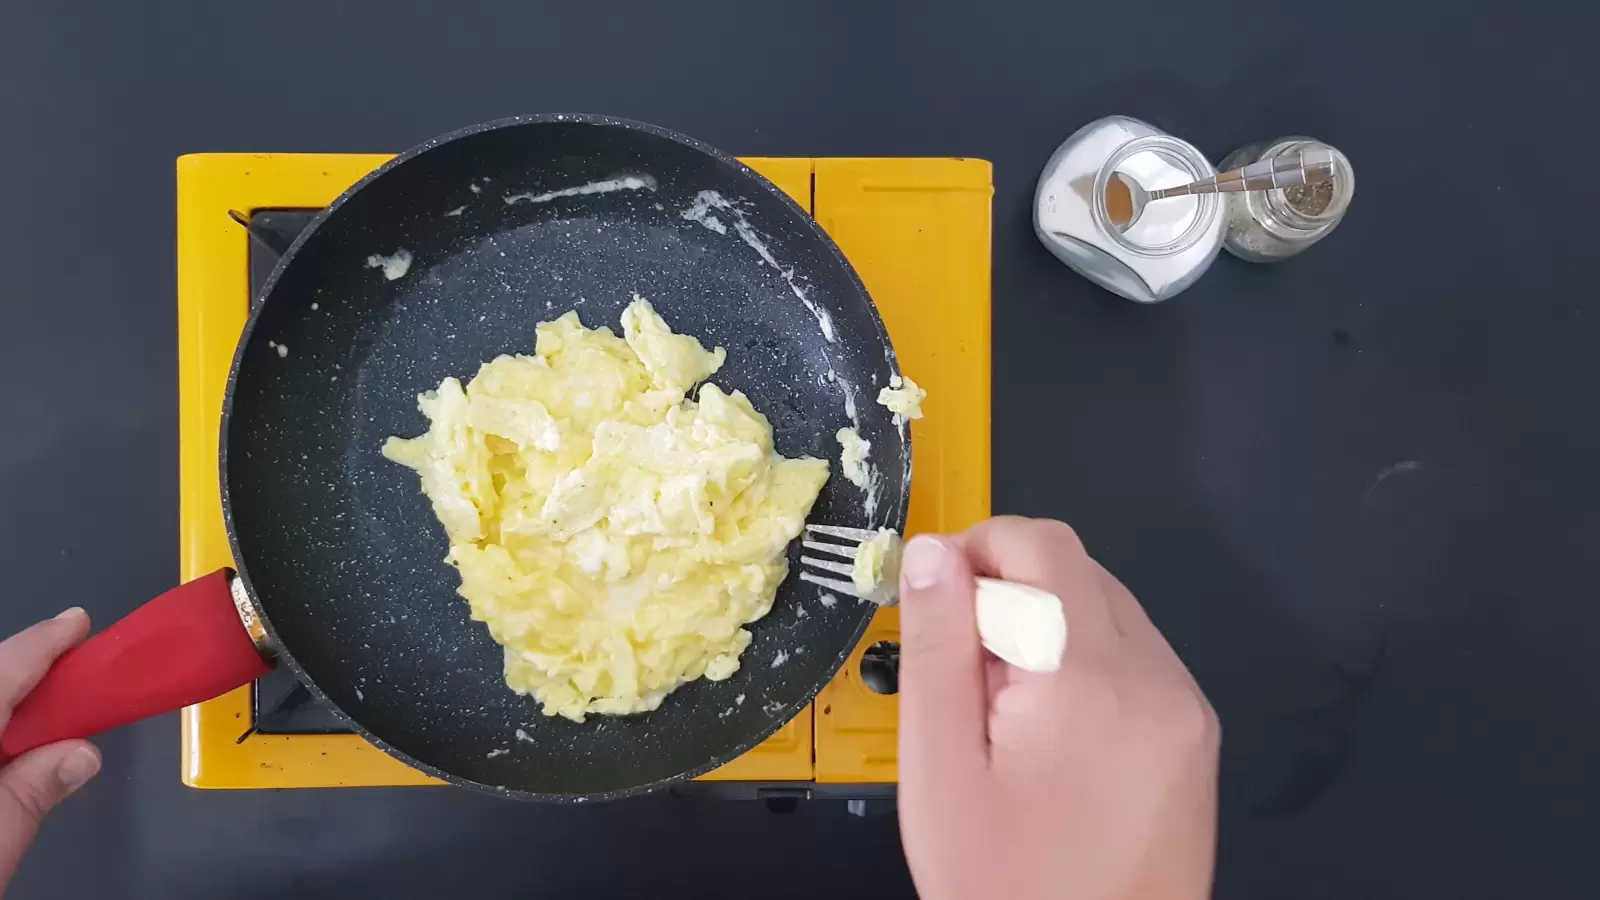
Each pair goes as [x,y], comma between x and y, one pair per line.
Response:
[880,667]
[279,702]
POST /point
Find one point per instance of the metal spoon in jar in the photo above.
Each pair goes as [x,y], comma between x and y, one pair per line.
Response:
[1125,199]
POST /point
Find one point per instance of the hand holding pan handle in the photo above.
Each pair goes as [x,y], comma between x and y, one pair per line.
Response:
[187,645]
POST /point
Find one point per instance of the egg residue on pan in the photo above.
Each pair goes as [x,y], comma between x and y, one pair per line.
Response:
[853,450]
[394,266]
[614,535]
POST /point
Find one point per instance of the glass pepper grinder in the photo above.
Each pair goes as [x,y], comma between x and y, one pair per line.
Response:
[1267,226]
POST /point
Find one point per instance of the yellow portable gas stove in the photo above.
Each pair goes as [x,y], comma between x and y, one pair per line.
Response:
[917,231]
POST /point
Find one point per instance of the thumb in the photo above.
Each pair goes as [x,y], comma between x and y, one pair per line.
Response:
[943,694]
[30,786]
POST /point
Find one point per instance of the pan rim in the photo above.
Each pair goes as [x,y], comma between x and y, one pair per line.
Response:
[284,656]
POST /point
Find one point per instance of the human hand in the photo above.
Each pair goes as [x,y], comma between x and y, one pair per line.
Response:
[1097,782]
[33,783]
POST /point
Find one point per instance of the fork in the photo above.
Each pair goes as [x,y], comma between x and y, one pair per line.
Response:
[1021,624]
[887,592]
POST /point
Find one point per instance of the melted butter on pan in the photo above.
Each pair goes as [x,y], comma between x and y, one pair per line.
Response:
[625,183]
[853,450]
[700,211]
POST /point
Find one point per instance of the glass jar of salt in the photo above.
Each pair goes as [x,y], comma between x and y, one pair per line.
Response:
[1266,226]
[1084,212]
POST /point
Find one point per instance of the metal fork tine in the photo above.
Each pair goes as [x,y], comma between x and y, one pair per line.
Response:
[849,534]
[833,584]
[845,550]
[828,565]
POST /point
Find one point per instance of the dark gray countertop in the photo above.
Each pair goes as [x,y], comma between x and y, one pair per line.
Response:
[1358,490]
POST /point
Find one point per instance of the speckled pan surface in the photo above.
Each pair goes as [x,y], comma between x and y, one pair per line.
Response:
[339,547]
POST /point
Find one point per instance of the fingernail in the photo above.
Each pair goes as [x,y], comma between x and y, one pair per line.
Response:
[78,767]
[71,611]
[923,562]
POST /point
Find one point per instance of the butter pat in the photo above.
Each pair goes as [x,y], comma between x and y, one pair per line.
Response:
[1022,625]
[903,398]
[877,559]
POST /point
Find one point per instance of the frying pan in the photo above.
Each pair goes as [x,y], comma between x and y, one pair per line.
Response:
[340,559]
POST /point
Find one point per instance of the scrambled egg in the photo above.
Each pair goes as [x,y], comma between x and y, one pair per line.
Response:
[614,535]
[903,398]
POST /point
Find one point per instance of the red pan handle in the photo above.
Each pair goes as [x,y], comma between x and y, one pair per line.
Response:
[185,646]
